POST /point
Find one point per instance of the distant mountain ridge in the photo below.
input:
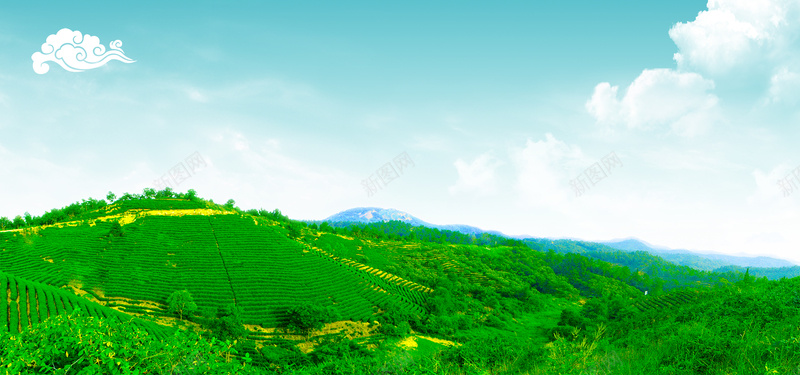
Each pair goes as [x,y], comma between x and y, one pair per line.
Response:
[701,261]
[693,259]
[376,215]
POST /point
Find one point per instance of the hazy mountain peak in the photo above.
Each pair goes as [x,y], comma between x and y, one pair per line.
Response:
[634,243]
[376,214]
[373,215]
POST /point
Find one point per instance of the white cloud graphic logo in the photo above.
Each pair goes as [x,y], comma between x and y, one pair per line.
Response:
[76,52]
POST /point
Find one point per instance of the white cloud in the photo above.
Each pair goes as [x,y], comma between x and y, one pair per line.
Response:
[658,97]
[544,169]
[734,33]
[604,105]
[695,123]
[76,52]
[784,87]
[476,177]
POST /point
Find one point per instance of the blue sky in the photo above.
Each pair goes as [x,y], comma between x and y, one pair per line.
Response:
[501,108]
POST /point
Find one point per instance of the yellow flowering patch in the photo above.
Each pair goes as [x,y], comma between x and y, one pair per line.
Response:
[409,343]
[439,341]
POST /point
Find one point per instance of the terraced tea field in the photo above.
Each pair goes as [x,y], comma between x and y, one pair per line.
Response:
[219,257]
[25,304]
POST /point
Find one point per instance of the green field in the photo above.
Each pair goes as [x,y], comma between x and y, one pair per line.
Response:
[219,259]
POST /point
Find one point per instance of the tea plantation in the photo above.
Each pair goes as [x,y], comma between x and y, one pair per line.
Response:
[168,283]
[25,304]
[219,259]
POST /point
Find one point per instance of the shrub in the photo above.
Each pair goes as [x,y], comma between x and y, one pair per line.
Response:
[338,347]
[77,343]
[116,230]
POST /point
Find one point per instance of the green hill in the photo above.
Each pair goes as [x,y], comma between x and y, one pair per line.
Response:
[220,257]
[209,288]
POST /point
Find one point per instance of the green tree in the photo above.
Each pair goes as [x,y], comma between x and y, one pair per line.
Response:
[325,227]
[19,222]
[111,197]
[149,193]
[181,302]
[394,319]
[306,317]
[228,324]
[166,193]
[127,197]
[5,223]
[294,230]
[230,203]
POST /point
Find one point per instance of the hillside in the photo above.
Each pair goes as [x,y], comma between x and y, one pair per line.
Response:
[220,257]
[152,278]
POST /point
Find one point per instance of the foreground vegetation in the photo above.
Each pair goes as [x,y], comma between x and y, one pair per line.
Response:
[502,306]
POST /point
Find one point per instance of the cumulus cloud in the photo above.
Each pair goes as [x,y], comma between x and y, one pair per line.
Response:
[784,87]
[732,33]
[658,97]
[477,176]
[604,105]
[737,43]
[544,169]
[76,52]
